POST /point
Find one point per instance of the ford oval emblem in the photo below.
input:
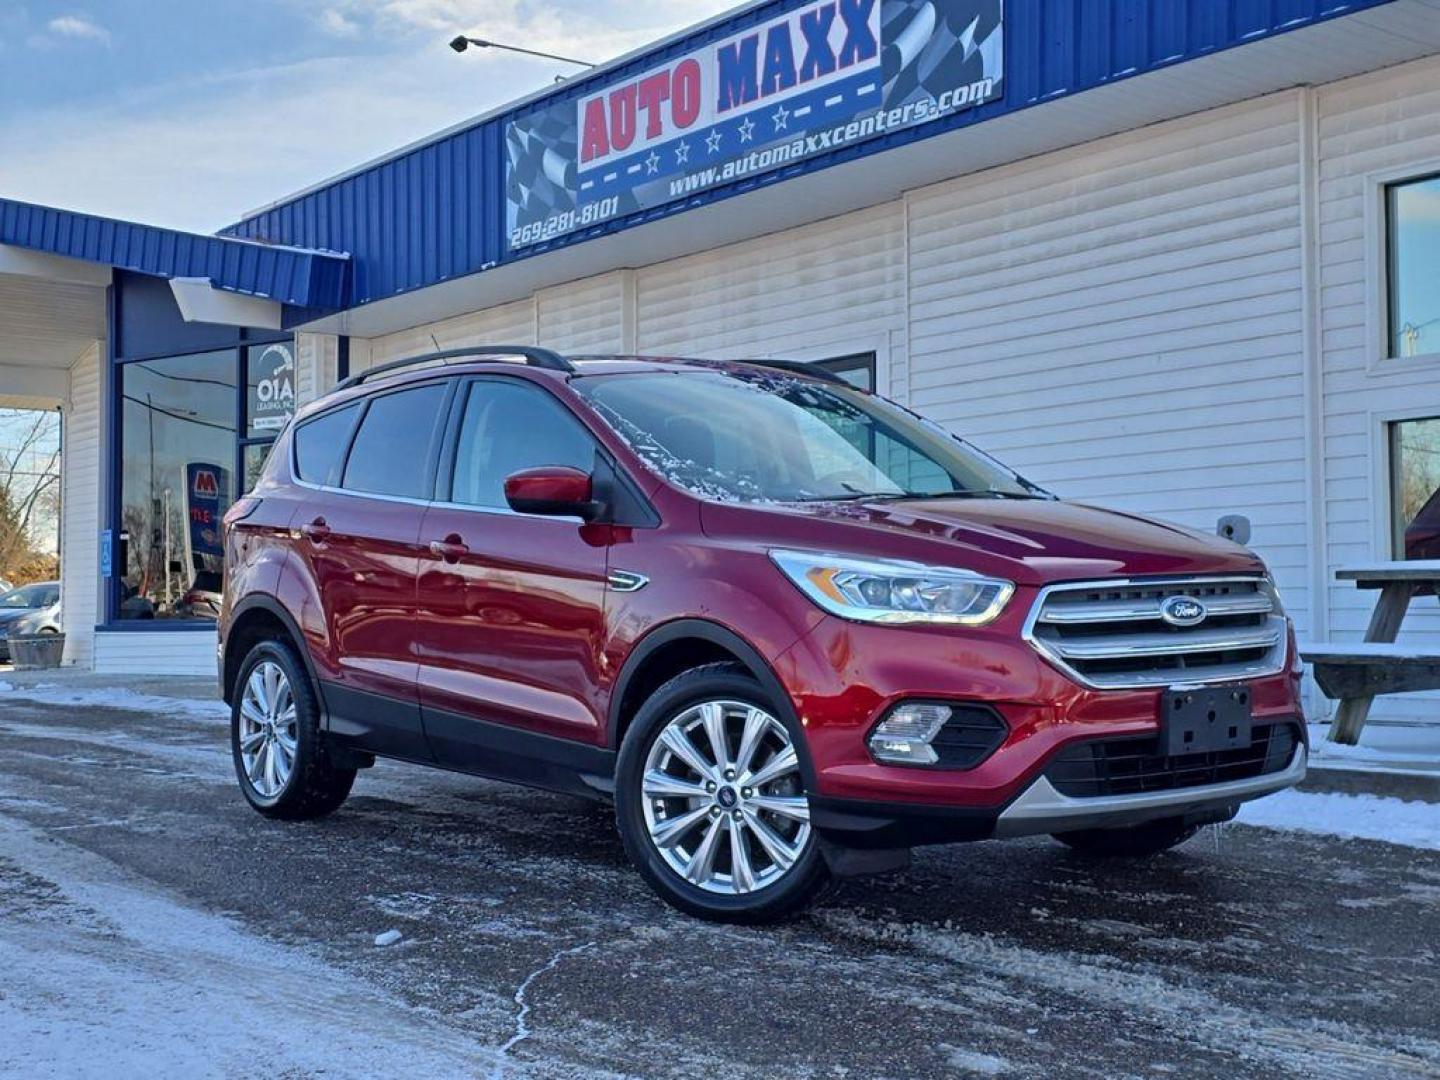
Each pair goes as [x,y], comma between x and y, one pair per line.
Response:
[1183,611]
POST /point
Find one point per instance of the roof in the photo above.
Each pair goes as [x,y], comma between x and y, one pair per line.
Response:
[298,277]
[459,214]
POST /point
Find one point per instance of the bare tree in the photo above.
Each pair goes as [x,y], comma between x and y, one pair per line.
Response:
[29,486]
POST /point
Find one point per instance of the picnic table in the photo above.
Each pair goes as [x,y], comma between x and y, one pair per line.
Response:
[1356,673]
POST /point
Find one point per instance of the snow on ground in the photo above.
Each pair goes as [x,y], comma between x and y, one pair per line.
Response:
[114,698]
[1390,748]
[104,978]
[1358,817]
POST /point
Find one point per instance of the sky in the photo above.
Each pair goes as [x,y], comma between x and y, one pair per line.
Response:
[191,113]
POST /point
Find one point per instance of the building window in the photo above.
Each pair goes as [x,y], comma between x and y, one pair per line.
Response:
[195,432]
[1415,488]
[1413,244]
[177,468]
[857,370]
[269,403]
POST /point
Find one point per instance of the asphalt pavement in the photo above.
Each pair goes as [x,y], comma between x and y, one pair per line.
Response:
[150,923]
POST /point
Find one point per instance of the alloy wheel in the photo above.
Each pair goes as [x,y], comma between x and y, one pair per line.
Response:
[723,797]
[269,729]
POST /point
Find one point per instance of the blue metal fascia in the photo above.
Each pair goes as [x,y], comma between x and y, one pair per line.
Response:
[437,211]
[289,275]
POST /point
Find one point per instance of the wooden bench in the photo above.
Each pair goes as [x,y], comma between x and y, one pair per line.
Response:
[1356,673]
[1368,669]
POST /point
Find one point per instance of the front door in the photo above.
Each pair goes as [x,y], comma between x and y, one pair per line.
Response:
[511,606]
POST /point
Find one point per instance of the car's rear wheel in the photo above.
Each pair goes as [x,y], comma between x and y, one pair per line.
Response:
[1136,842]
[281,760]
[711,802]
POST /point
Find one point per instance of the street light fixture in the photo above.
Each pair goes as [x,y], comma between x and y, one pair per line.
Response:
[461,43]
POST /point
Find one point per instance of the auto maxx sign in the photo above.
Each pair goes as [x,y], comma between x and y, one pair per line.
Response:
[817,78]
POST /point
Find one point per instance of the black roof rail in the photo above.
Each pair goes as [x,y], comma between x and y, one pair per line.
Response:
[794,366]
[534,357]
[798,367]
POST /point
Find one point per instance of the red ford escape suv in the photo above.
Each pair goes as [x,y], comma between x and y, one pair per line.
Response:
[792,629]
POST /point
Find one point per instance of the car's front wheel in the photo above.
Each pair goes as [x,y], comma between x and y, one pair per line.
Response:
[1136,842]
[281,759]
[711,803]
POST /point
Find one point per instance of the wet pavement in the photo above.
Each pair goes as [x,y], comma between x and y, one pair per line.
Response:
[150,922]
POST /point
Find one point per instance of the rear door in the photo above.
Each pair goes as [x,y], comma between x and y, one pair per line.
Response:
[359,536]
[511,606]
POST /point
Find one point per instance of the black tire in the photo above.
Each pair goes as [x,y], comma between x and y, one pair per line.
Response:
[315,787]
[799,886]
[1135,842]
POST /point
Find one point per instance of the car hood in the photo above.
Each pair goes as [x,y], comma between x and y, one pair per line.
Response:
[10,615]
[1030,541]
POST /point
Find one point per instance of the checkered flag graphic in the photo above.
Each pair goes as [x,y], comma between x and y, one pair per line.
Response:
[937,45]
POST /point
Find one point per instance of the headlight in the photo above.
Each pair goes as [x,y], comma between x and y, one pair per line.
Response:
[892,591]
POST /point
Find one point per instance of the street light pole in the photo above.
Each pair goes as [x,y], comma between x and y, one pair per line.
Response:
[461,43]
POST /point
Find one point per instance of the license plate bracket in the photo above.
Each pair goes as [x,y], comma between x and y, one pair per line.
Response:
[1202,720]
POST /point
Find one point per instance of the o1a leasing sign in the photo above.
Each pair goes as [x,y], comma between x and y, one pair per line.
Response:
[818,78]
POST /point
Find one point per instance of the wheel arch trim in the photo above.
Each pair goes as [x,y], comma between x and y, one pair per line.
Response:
[724,638]
[269,606]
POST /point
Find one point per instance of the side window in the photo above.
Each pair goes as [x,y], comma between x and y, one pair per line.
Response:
[509,426]
[320,444]
[390,449]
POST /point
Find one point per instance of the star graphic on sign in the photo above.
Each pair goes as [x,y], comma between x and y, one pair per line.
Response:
[782,119]
[652,164]
[713,141]
[747,130]
[682,153]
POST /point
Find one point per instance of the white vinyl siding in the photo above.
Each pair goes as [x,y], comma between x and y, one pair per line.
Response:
[584,316]
[82,488]
[1122,322]
[827,290]
[1372,129]
[511,324]
[317,364]
[190,653]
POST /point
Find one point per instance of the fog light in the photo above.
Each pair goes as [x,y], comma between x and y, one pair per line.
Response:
[904,737]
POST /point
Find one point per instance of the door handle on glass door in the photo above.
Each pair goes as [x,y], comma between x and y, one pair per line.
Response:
[452,549]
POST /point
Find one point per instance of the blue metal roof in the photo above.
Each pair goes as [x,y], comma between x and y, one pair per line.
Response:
[288,275]
[438,211]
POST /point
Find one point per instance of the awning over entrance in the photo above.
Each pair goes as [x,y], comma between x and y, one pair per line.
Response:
[290,276]
[56,265]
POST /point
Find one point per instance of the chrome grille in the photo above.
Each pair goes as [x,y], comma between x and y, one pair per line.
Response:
[1114,635]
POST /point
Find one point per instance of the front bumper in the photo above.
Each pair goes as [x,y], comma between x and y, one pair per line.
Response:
[1041,809]
[1038,810]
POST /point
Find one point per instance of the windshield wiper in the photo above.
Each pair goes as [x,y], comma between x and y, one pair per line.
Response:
[982,493]
[921,496]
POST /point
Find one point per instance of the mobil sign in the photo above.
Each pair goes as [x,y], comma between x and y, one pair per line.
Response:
[812,78]
[207,496]
[800,53]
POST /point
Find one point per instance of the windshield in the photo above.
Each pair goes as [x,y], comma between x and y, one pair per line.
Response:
[31,596]
[766,437]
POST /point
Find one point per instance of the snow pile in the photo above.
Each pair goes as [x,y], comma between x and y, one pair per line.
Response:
[1355,817]
[116,698]
[1384,748]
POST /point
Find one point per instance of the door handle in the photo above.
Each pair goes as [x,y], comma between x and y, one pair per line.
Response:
[452,549]
[316,532]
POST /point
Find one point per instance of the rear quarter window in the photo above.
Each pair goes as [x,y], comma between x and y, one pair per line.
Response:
[320,445]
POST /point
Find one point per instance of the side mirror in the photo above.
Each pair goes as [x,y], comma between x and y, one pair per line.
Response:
[554,490]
